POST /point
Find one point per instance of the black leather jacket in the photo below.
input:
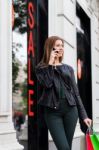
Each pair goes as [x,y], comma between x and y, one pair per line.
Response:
[50,95]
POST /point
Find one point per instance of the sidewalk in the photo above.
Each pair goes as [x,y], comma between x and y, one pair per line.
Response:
[24,143]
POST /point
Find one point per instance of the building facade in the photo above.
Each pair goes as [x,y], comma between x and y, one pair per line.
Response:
[69,19]
[77,22]
[8,139]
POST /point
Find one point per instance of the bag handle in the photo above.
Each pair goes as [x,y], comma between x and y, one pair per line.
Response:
[90,130]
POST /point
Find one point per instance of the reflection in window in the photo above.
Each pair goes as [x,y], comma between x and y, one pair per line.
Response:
[19,65]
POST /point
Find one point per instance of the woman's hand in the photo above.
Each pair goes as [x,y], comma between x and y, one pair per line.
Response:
[53,55]
[88,122]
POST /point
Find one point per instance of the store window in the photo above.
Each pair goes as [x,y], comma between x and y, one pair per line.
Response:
[83,34]
[37,32]
[19,69]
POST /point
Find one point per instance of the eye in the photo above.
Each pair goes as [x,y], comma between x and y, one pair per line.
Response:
[57,45]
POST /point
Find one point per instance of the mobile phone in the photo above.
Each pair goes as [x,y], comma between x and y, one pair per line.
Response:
[54,50]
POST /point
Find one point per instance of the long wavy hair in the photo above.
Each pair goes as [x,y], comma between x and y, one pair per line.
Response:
[48,46]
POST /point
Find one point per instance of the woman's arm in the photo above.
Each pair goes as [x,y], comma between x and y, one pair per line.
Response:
[45,75]
[81,110]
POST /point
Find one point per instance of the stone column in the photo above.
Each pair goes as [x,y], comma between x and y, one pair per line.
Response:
[8,139]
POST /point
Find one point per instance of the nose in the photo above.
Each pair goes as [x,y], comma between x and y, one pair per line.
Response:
[61,48]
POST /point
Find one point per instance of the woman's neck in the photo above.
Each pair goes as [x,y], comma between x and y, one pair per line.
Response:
[56,61]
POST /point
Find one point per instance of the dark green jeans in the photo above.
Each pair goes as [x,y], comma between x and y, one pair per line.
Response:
[61,124]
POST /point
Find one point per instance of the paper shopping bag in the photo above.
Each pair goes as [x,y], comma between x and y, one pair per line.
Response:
[97,136]
[95,141]
[89,142]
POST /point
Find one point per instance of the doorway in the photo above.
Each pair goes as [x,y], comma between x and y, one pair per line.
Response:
[84,58]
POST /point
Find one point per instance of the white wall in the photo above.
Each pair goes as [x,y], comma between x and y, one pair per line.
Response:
[6,125]
[95,70]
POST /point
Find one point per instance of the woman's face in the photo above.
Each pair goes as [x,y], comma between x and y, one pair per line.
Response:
[59,46]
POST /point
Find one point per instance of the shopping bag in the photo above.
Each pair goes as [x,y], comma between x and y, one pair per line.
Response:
[97,136]
[89,142]
[95,140]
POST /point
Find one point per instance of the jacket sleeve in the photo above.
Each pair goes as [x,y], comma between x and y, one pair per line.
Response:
[81,110]
[45,76]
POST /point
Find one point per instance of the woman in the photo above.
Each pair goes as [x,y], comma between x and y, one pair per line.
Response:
[60,97]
